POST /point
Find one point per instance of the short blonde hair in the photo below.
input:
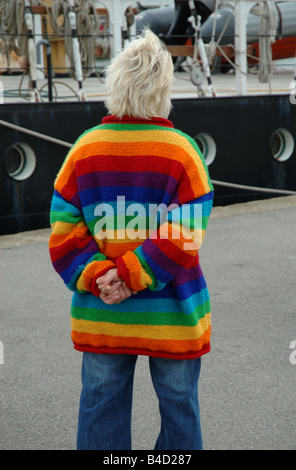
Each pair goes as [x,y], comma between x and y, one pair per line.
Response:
[138,80]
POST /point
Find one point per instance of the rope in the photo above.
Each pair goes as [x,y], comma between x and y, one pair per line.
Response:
[87,24]
[268,27]
[13,27]
[214,44]
[253,188]
[215,182]
[35,134]
[14,31]
[267,35]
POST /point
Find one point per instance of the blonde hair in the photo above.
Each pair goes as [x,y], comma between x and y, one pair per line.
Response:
[138,80]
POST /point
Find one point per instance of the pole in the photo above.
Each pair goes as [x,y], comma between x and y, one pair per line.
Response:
[76,52]
[116,9]
[49,67]
[28,15]
[242,9]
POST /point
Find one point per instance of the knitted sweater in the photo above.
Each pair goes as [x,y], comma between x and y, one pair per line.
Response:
[136,195]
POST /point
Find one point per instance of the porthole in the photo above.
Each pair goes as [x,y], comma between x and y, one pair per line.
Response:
[207,147]
[281,145]
[20,161]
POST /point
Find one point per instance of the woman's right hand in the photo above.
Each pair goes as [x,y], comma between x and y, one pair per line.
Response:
[121,293]
[113,289]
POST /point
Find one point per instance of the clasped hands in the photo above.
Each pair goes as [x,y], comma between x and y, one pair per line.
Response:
[113,288]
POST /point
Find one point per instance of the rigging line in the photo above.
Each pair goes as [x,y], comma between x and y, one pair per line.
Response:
[215,21]
[226,23]
[35,134]
[233,64]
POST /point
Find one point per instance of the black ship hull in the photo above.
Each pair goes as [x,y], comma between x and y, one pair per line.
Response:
[245,140]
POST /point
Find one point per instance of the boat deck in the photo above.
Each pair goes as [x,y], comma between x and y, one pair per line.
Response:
[247,382]
[66,88]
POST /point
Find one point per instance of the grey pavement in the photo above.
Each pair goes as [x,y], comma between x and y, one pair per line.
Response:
[247,385]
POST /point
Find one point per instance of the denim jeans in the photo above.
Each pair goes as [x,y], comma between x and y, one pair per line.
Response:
[104,421]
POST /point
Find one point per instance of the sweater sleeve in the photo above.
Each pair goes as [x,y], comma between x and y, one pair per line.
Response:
[74,253]
[174,244]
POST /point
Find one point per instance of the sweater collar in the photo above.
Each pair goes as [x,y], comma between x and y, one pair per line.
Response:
[156,121]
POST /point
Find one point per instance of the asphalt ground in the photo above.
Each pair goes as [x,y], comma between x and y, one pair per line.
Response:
[247,384]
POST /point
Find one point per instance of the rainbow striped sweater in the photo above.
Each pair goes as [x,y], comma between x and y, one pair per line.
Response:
[136,195]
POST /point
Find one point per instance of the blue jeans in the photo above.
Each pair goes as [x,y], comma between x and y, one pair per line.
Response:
[104,421]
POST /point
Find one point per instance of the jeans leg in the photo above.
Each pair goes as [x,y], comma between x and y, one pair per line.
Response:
[105,409]
[176,385]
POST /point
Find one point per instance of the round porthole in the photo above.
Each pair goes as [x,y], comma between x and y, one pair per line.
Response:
[281,145]
[20,161]
[207,147]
